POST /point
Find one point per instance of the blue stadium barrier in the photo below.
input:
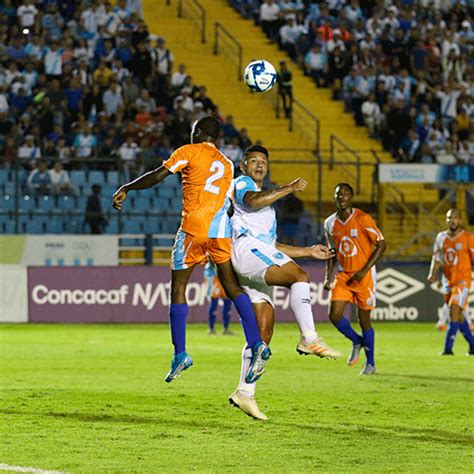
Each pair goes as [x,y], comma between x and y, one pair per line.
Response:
[141,203]
[7,203]
[34,227]
[55,226]
[67,203]
[47,203]
[131,227]
[78,177]
[9,188]
[4,176]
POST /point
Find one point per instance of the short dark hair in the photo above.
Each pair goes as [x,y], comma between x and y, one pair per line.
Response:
[209,126]
[252,148]
[346,185]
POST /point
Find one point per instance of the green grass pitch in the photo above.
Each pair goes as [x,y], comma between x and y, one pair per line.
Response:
[91,399]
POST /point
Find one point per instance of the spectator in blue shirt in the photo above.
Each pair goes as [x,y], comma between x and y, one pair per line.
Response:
[39,180]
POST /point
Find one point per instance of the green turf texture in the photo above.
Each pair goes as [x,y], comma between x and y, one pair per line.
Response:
[92,399]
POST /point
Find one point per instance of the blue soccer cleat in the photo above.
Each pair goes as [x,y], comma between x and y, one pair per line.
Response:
[260,355]
[179,362]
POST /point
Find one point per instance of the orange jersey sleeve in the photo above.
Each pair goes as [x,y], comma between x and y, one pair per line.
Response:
[207,187]
[353,239]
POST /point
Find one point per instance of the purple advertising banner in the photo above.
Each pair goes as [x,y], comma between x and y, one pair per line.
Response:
[134,295]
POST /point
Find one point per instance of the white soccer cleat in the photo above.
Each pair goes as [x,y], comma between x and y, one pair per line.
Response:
[318,347]
[247,404]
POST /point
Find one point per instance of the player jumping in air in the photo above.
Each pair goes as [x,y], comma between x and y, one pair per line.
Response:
[205,230]
[261,262]
[454,252]
[217,293]
[359,245]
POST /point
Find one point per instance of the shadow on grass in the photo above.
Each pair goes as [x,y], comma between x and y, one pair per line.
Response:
[419,434]
[433,378]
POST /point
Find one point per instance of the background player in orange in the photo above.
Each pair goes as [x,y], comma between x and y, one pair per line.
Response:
[359,245]
[216,294]
[454,252]
[205,230]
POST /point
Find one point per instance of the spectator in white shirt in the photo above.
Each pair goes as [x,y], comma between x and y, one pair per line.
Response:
[129,153]
[53,60]
[233,151]
[178,77]
[270,18]
[113,99]
[28,151]
[60,182]
[316,63]
[289,35]
[371,114]
[91,18]
[27,13]
[3,99]
[145,101]
[184,100]
[446,155]
[85,143]
[163,58]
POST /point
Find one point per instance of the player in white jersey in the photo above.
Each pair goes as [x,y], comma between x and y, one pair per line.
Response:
[261,262]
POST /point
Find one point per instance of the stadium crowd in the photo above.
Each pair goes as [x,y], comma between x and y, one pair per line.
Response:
[86,84]
[403,68]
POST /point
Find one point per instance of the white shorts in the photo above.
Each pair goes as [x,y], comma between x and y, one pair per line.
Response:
[251,259]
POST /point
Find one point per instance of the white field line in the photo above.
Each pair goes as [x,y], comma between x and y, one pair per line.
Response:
[7,467]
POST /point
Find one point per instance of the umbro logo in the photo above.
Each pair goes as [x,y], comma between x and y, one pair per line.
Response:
[393,286]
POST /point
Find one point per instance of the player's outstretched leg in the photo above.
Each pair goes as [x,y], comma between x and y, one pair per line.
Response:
[342,324]
[260,351]
[244,396]
[178,314]
[466,332]
[211,315]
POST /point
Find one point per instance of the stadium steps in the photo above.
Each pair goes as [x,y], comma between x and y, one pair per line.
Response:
[255,112]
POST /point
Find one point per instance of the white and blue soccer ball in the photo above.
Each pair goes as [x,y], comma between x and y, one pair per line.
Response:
[260,76]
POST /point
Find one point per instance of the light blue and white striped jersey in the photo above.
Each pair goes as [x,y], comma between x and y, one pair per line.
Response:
[258,223]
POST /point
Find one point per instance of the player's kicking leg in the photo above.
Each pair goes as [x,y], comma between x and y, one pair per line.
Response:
[292,276]
[260,351]
[443,318]
[244,396]
[342,324]
[178,314]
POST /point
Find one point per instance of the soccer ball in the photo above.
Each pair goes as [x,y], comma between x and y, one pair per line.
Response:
[260,76]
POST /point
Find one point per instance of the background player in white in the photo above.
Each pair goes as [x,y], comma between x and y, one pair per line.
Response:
[261,262]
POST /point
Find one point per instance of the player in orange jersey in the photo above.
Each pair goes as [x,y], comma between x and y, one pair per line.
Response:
[454,252]
[205,230]
[359,245]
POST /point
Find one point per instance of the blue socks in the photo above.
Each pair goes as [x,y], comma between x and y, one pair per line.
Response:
[244,307]
[226,312]
[369,344]
[344,327]
[212,312]
[450,336]
[178,313]
[466,332]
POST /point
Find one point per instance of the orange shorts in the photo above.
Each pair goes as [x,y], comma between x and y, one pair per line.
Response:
[361,294]
[458,295]
[189,250]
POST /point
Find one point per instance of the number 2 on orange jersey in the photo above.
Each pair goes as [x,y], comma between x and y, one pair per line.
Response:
[218,169]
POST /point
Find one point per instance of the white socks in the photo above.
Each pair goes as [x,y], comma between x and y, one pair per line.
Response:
[247,389]
[300,304]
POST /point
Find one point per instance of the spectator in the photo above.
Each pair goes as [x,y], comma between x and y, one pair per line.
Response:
[289,35]
[270,18]
[233,151]
[94,216]
[146,101]
[409,147]
[85,143]
[128,153]
[178,77]
[53,66]
[163,58]
[39,180]
[113,100]
[27,13]
[446,156]
[371,114]
[29,152]
[60,182]
[316,63]
[229,128]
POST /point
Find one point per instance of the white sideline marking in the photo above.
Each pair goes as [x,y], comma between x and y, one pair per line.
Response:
[7,467]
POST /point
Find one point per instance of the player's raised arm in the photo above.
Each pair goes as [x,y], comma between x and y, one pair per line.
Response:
[145,181]
[259,199]
[316,252]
